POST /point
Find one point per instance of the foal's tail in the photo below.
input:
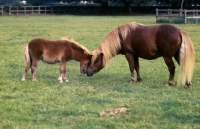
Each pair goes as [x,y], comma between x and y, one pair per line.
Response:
[27,60]
[187,60]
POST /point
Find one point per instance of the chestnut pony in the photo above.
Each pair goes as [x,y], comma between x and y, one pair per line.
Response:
[135,40]
[54,51]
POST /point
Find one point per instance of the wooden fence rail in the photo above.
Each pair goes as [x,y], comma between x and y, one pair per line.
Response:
[30,10]
[170,13]
[48,10]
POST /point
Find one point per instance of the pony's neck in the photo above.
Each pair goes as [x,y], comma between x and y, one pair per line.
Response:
[108,53]
[110,45]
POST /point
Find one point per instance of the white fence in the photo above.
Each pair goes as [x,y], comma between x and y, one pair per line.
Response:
[185,14]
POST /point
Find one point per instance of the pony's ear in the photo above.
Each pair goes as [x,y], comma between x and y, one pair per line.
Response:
[90,56]
[101,54]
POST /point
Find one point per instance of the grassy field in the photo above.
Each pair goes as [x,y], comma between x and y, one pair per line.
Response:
[76,104]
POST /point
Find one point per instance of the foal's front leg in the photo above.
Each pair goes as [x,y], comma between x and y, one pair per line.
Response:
[62,75]
[131,63]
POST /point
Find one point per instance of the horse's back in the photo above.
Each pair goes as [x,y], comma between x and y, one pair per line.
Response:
[50,51]
[151,42]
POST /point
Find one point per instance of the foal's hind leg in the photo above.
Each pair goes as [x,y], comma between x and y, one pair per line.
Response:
[171,67]
[33,69]
[26,69]
[137,67]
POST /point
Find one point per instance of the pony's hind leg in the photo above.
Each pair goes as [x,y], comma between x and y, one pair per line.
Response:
[137,67]
[171,67]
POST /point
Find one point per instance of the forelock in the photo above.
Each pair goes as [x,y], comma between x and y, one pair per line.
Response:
[95,55]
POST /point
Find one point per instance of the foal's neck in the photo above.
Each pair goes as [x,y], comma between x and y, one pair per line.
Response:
[77,52]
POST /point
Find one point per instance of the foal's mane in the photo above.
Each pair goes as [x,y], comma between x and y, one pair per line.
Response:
[111,44]
[86,51]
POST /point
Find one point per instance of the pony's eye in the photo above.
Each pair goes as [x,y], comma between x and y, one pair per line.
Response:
[96,61]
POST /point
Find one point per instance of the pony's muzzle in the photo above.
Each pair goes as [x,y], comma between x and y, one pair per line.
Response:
[90,73]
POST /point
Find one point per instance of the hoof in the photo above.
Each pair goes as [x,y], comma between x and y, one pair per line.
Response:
[139,79]
[67,80]
[188,85]
[23,79]
[34,80]
[133,81]
[60,81]
[169,84]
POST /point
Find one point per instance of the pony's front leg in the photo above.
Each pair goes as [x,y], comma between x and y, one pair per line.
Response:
[171,67]
[130,60]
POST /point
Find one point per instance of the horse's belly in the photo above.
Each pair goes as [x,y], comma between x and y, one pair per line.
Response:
[50,60]
[149,55]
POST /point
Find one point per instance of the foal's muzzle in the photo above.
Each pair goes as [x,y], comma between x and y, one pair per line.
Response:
[83,71]
[90,73]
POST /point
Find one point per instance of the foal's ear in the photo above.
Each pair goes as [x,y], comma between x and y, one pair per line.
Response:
[101,54]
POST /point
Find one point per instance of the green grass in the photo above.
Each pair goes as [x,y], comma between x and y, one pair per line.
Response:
[76,104]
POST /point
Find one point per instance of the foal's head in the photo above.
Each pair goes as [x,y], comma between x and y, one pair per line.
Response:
[96,64]
[84,62]
[81,54]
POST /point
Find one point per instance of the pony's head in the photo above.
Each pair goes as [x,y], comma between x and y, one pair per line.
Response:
[109,47]
[96,64]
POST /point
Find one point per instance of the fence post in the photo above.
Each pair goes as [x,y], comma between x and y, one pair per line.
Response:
[1,10]
[9,9]
[17,11]
[170,15]
[51,10]
[25,10]
[156,15]
[185,15]
[180,12]
[39,10]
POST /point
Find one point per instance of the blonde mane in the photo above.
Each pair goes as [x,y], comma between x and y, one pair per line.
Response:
[111,44]
[86,51]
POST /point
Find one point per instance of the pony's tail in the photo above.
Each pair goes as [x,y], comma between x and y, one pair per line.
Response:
[187,60]
[27,59]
